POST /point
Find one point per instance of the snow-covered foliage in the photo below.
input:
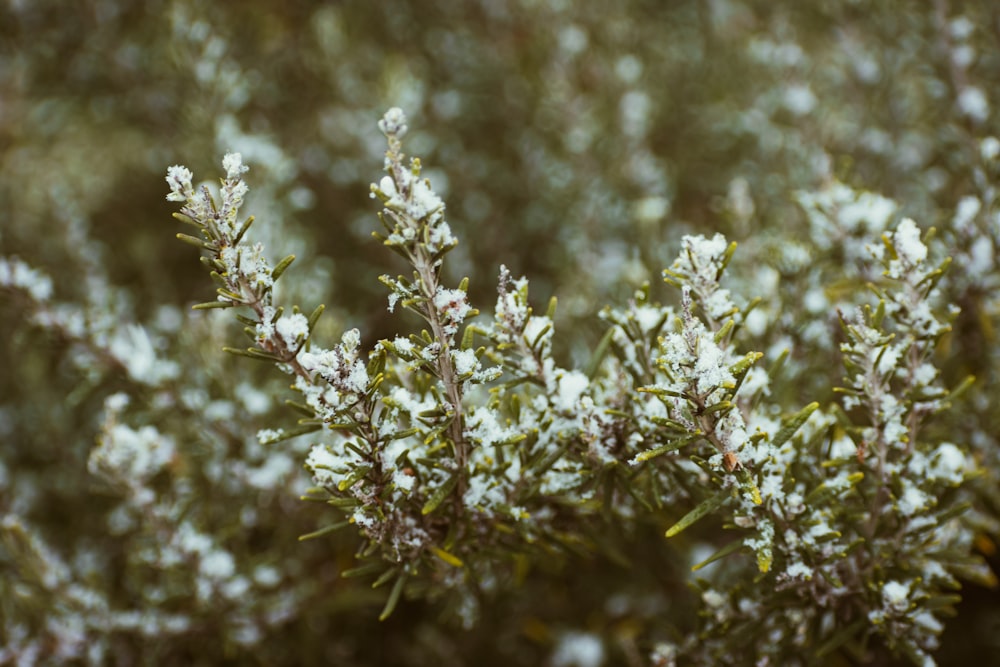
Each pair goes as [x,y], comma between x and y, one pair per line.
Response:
[783,453]
[852,512]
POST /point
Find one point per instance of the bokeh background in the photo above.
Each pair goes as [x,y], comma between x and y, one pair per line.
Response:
[574,142]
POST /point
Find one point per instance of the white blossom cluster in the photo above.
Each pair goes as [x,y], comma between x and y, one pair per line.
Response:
[14,273]
[877,501]
[842,216]
[414,214]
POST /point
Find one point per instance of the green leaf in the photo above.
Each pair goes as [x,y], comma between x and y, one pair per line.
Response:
[213,304]
[840,638]
[878,316]
[300,407]
[723,331]
[252,353]
[196,242]
[600,352]
[468,337]
[512,440]
[822,491]
[393,600]
[230,295]
[743,365]
[749,485]
[672,278]
[942,602]
[545,460]
[282,265]
[342,502]
[314,317]
[385,577]
[550,312]
[660,392]
[756,301]
[726,258]
[962,387]
[314,498]
[777,364]
[352,478]
[213,263]
[955,510]
[370,548]
[931,280]
[186,220]
[363,570]
[289,433]
[539,337]
[630,487]
[721,407]
[730,548]
[976,571]
[448,557]
[792,424]
[667,422]
[440,494]
[324,531]
[405,433]
[667,448]
[708,505]
[243,230]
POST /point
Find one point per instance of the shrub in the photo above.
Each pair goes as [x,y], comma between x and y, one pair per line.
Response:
[783,455]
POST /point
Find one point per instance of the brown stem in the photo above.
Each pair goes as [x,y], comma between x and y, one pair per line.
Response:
[429,286]
[427,270]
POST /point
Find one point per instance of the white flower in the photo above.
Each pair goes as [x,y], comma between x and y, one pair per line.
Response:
[393,123]
[895,596]
[453,306]
[350,340]
[906,240]
[15,273]
[799,99]
[973,103]
[233,164]
[131,456]
[989,148]
[948,464]
[651,209]
[292,328]
[132,346]
[179,180]
[579,649]
[217,564]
